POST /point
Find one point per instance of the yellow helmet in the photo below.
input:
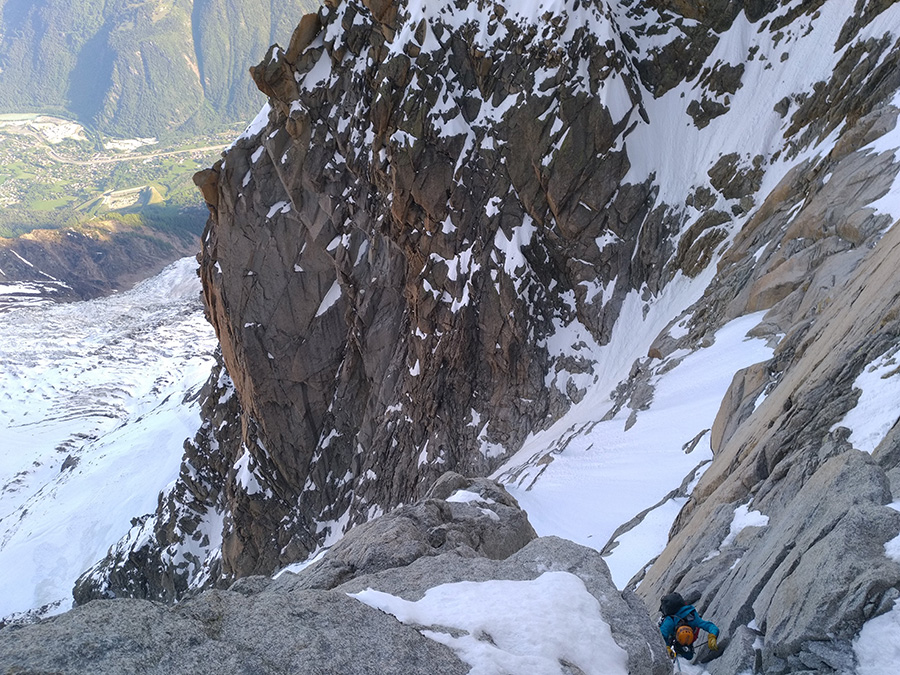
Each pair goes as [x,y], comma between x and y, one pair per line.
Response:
[684,635]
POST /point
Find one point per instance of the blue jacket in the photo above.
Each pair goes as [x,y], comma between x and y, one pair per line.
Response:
[691,617]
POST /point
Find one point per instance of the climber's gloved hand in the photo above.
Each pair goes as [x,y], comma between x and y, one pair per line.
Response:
[671,653]
[711,642]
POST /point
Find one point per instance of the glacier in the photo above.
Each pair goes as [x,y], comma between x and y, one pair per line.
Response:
[97,400]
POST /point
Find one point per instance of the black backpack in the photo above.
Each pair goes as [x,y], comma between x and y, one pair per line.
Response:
[671,603]
[669,606]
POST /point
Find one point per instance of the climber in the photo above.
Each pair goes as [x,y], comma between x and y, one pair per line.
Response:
[680,626]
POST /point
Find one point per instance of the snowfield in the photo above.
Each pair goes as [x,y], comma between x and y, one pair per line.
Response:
[96,401]
[605,475]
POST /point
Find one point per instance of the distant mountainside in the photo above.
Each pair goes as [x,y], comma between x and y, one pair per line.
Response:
[139,68]
[85,261]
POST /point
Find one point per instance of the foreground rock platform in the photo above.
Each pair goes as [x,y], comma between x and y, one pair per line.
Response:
[308,622]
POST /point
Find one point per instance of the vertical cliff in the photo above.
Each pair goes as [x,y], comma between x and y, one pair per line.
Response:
[402,258]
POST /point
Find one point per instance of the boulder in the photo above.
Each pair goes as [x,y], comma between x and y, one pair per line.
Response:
[473,518]
[629,620]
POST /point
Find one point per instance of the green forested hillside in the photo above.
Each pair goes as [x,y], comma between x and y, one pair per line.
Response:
[168,78]
[139,68]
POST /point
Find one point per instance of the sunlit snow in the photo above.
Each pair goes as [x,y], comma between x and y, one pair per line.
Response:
[331,297]
[603,475]
[744,518]
[877,647]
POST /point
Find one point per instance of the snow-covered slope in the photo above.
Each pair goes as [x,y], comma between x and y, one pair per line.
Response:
[602,456]
[97,400]
[600,475]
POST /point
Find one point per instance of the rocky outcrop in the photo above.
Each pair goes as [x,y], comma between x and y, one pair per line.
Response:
[276,631]
[89,261]
[312,622]
[627,616]
[468,518]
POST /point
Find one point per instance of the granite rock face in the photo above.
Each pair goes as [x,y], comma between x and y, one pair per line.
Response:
[627,616]
[272,632]
[809,579]
[384,284]
[464,516]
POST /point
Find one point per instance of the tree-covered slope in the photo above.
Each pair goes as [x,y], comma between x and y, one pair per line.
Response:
[141,68]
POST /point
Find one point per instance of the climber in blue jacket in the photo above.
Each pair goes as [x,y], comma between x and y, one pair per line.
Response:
[680,626]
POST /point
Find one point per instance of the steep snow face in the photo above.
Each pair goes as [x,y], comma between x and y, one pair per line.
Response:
[98,399]
[777,68]
[761,123]
[603,472]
